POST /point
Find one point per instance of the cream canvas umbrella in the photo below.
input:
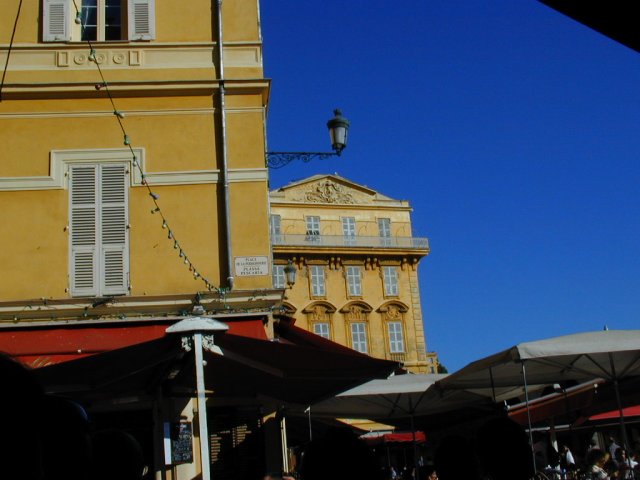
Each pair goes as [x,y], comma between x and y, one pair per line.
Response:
[612,355]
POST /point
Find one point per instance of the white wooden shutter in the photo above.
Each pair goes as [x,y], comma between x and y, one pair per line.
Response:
[390,280]
[99,235]
[142,20]
[113,230]
[55,21]
[84,261]
[353,281]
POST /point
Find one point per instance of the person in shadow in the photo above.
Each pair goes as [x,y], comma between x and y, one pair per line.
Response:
[20,441]
[504,451]
[65,439]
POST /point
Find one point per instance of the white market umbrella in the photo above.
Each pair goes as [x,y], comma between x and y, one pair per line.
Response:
[399,396]
[609,354]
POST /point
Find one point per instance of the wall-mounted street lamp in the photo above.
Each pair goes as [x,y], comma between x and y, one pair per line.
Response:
[290,274]
[338,131]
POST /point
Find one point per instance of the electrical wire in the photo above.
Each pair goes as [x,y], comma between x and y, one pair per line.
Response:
[127,142]
[13,34]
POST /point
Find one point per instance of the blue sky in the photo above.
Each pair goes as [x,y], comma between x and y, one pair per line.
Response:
[511,129]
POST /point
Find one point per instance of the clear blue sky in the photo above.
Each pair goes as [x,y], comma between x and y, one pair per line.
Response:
[513,131]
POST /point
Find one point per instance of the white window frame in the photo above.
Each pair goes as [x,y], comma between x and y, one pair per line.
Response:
[313,225]
[317,279]
[390,281]
[101,19]
[279,277]
[349,227]
[275,223]
[384,227]
[396,337]
[98,228]
[58,21]
[322,329]
[353,275]
[359,337]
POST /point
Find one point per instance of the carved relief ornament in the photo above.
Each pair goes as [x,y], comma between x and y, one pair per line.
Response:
[328,192]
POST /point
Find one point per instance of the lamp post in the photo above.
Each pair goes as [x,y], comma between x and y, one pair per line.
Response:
[197,335]
[290,274]
[338,132]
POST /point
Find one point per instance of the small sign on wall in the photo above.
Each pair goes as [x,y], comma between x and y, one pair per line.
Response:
[178,439]
[252,266]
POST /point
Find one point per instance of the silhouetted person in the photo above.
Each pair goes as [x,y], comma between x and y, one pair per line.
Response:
[504,451]
[20,443]
[65,440]
[596,460]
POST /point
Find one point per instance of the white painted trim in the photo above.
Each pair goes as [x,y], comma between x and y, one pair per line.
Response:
[239,175]
[61,159]
[129,113]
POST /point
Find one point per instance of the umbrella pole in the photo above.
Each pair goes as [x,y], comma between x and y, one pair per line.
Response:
[493,387]
[309,417]
[202,407]
[623,428]
[415,447]
[526,399]
[284,443]
[616,388]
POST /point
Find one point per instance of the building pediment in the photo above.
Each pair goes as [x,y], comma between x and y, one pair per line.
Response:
[328,189]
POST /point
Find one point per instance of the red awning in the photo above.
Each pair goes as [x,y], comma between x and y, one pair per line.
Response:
[40,346]
[626,412]
[398,437]
[554,405]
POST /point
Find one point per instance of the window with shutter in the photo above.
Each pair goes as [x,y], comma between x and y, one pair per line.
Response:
[349,230]
[317,280]
[359,337]
[276,231]
[354,281]
[313,225]
[99,240]
[390,279]
[322,329]
[100,20]
[56,21]
[396,337]
[279,277]
[142,20]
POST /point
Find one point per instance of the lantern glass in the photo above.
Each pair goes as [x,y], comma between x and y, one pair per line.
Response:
[290,273]
[338,131]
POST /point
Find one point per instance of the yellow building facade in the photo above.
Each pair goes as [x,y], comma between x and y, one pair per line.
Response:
[133,148]
[356,262]
[133,136]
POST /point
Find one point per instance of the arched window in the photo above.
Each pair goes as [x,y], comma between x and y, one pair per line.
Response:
[319,316]
[356,316]
[393,314]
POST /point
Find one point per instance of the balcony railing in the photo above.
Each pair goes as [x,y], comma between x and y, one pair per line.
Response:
[300,240]
[398,357]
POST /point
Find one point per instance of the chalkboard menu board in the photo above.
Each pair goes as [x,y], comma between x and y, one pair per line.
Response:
[181,443]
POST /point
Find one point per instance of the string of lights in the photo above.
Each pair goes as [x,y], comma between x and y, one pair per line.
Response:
[6,63]
[156,210]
